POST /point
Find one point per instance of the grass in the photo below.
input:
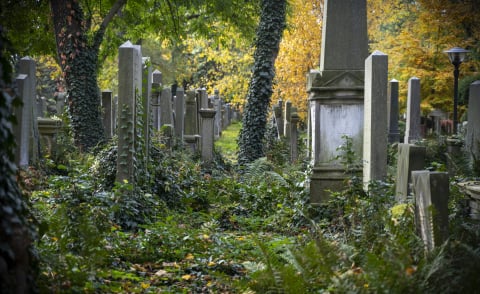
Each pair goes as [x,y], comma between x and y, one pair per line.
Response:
[227,143]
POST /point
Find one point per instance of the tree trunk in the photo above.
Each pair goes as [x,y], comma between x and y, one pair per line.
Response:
[269,35]
[78,57]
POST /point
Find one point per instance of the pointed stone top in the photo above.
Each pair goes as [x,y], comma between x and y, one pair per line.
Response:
[414,78]
[393,81]
[126,44]
[378,52]
[26,58]
[477,82]
[344,35]
[156,77]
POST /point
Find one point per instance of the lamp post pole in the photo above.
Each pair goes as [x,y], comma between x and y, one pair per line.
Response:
[456,64]
[457,56]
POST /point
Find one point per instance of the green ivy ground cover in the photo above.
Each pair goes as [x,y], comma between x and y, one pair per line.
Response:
[191,229]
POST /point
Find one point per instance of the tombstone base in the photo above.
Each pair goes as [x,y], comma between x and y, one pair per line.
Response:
[324,181]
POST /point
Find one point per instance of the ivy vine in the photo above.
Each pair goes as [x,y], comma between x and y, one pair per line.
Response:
[269,33]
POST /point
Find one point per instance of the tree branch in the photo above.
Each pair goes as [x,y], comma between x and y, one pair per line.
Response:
[106,21]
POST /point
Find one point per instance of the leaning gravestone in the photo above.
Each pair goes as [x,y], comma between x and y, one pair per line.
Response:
[431,191]
[410,158]
[129,84]
[375,137]
[336,93]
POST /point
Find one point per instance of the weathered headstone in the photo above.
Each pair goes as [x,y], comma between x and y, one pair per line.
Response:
[190,121]
[23,128]
[412,131]
[294,119]
[129,84]
[336,93]
[375,137]
[27,66]
[431,191]
[166,114]
[217,104]
[147,80]
[472,139]
[114,113]
[410,158]
[280,119]
[107,110]
[155,100]
[48,129]
[179,112]
[207,136]
[61,102]
[288,113]
[393,131]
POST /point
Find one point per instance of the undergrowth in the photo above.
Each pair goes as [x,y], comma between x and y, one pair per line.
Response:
[196,228]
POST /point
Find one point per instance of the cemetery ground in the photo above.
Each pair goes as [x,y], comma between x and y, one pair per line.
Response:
[188,227]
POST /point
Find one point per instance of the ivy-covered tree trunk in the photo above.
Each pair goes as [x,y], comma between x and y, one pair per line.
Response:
[17,274]
[268,37]
[78,50]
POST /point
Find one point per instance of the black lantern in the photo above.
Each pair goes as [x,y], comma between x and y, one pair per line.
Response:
[456,55]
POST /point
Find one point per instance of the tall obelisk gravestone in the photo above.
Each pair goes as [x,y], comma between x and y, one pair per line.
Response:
[336,93]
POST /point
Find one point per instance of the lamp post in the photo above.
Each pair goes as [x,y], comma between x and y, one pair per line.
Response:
[457,56]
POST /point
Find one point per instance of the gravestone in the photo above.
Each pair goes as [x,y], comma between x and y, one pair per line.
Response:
[129,84]
[166,114]
[146,104]
[107,110]
[27,66]
[472,139]
[24,117]
[61,96]
[336,93]
[156,91]
[288,113]
[294,119]
[179,113]
[190,122]
[114,113]
[280,119]
[412,131]
[431,191]
[437,116]
[203,98]
[375,138]
[217,104]
[410,158]
[393,131]
[48,129]
[207,136]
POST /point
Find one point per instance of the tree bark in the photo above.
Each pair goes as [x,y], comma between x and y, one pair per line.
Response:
[269,34]
[78,58]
